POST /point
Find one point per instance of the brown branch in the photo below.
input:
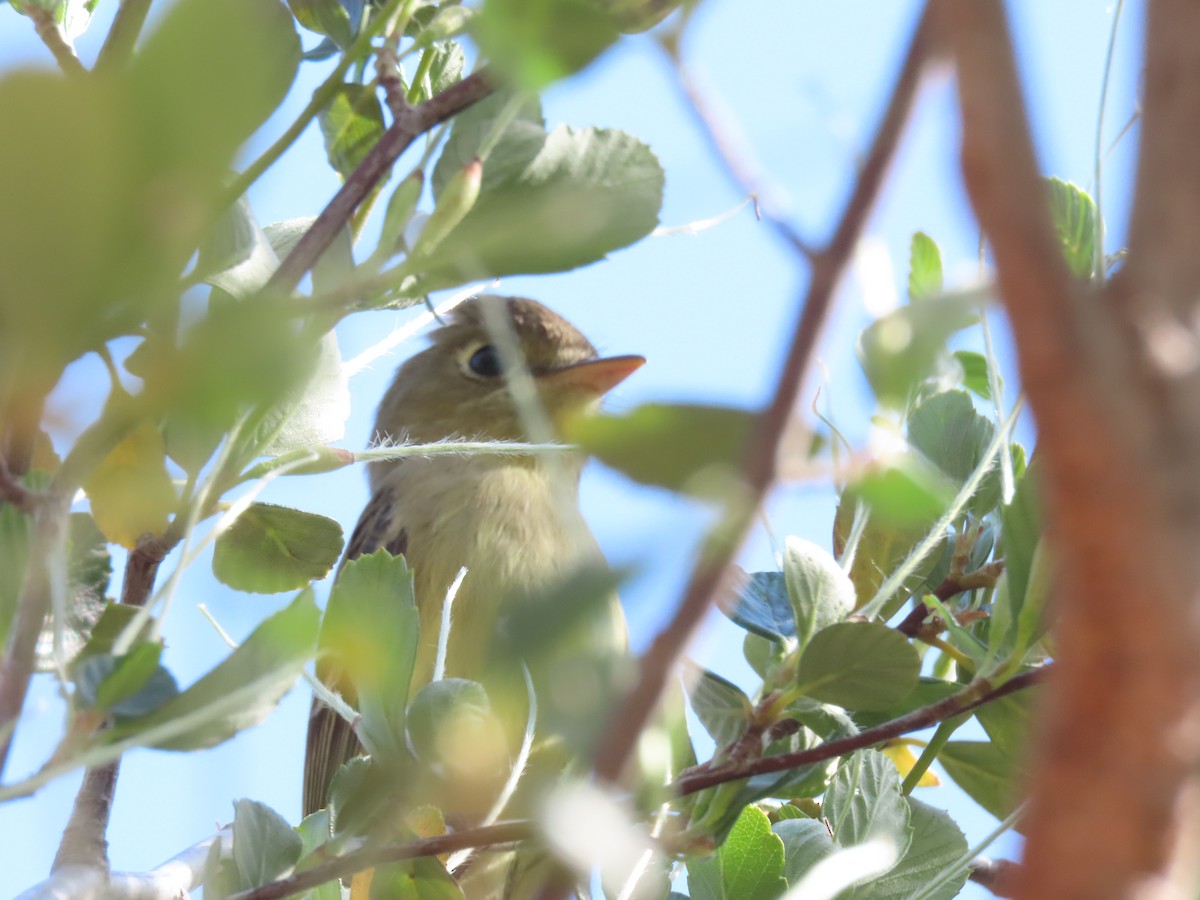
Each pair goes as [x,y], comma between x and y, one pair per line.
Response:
[12,491]
[373,855]
[711,576]
[83,842]
[409,124]
[969,698]
[49,530]
[984,576]
[997,875]
[1120,444]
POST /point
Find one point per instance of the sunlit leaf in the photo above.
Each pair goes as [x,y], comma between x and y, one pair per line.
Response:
[902,348]
[975,372]
[937,843]
[954,437]
[275,548]
[858,665]
[670,445]
[748,866]
[924,267]
[821,593]
[577,197]
[351,124]
[1074,216]
[265,846]
[369,637]
[864,802]
[884,545]
[720,705]
[130,491]
[540,41]
[985,771]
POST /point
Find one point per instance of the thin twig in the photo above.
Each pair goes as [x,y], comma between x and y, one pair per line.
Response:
[997,875]
[83,842]
[731,148]
[368,857]
[971,697]
[407,127]
[710,577]
[47,29]
[16,668]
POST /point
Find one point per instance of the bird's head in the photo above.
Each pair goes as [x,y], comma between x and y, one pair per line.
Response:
[457,386]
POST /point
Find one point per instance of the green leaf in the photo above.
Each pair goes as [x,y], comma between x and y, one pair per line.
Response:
[924,267]
[884,545]
[937,843]
[721,706]
[130,685]
[539,41]
[1074,215]
[327,17]
[748,866]
[858,665]
[242,690]
[1007,720]
[370,635]
[515,148]
[1021,523]
[975,372]
[682,447]
[906,493]
[864,802]
[424,878]
[763,654]
[351,124]
[436,705]
[131,492]
[985,772]
[954,437]
[901,349]
[270,548]
[526,220]
[805,843]
[821,593]
[237,257]
[265,846]
[199,122]
[763,607]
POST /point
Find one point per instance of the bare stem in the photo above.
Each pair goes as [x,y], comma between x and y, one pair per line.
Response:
[374,855]
[83,842]
[408,126]
[710,577]
[971,697]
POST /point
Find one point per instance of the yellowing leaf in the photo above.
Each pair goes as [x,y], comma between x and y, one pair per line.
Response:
[130,491]
[900,753]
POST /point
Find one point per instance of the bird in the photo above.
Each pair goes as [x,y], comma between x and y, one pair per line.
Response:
[513,521]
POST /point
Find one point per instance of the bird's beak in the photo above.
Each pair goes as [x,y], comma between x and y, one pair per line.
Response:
[596,377]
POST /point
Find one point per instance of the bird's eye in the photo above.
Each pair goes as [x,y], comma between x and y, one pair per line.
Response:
[485,362]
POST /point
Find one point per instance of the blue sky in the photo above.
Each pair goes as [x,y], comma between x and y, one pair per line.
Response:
[712,313]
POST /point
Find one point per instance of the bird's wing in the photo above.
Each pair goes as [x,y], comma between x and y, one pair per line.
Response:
[331,739]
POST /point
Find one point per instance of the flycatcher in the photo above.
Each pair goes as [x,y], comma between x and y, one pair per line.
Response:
[512,521]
